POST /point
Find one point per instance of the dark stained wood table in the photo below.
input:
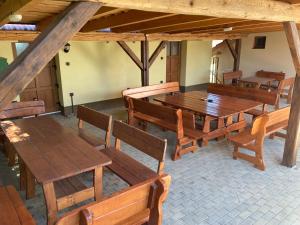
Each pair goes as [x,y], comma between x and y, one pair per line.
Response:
[212,107]
[257,81]
[50,153]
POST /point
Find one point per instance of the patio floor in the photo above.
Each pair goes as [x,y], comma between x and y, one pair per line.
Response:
[208,187]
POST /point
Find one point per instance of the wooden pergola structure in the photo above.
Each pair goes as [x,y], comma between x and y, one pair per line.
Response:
[59,21]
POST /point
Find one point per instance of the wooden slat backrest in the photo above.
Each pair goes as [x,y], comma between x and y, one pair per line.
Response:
[276,75]
[23,109]
[145,142]
[135,205]
[143,92]
[289,82]
[94,117]
[278,116]
[232,75]
[260,95]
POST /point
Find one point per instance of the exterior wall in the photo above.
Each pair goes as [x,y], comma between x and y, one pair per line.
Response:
[275,57]
[196,61]
[100,70]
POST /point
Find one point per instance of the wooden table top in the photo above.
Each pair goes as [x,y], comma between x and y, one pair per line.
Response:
[51,151]
[199,102]
[258,80]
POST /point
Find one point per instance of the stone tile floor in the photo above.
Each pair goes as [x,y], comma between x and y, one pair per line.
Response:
[208,187]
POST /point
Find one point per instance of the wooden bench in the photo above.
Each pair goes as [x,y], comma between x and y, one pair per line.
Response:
[277,76]
[152,90]
[233,77]
[18,110]
[97,119]
[253,139]
[12,209]
[129,169]
[140,204]
[181,122]
[264,96]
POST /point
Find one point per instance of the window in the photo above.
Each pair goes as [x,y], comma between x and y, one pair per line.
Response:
[260,42]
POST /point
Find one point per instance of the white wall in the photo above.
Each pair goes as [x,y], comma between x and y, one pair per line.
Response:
[275,57]
[196,60]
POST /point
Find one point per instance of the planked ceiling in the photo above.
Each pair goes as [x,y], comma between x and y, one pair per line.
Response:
[120,20]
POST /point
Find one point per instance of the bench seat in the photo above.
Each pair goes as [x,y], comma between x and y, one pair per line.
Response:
[94,140]
[130,170]
[191,133]
[12,209]
[255,112]
[244,138]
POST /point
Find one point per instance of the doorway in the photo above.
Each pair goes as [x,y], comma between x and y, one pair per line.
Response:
[44,86]
[173,61]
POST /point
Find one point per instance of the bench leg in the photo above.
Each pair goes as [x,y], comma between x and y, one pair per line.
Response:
[50,199]
[235,151]
[176,154]
[98,183]
[22,176]
[30,184]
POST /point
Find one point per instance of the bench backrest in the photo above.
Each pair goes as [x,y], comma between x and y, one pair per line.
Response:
[261,123]
[142,141]
[234,75]
[147,91]
[286,83]
[275,75]
[255,94]
[23,109]
[167,114]
[138,204]
[95,118]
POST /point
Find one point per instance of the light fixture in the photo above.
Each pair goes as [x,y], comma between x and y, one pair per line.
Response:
[15,17]
[226,29]
[67,48]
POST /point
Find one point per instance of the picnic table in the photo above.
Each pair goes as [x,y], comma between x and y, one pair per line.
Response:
[212,107]
[50,153]
[257,81]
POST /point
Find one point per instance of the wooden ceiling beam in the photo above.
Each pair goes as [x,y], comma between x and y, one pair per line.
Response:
[159,23]
[192,37]
[130,17]
[107,11]
[270,10]
[192,25]
[11,6]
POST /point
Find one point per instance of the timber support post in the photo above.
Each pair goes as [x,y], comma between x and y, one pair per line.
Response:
[145,61]
[28,65]
[290,148]
[235,52]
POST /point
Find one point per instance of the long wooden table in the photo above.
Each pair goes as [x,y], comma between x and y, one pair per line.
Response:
[50,153]
[212,107]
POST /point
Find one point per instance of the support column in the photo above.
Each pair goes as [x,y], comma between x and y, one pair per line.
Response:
[238,47]
[290,148]
[145,61]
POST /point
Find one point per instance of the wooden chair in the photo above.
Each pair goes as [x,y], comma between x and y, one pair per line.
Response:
[233,77]
[277,76]
[140,204]
[285,89]
[264,96]
[18,110]
[97,119]
[12,209]
[181,122]
[253,138]
[147,91]
[130,170]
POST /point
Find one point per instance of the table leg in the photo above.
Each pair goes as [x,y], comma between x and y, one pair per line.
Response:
[221,125]
[30,184]
[206,129]
[98,173]
[22,175]
[241,117]
[50,199]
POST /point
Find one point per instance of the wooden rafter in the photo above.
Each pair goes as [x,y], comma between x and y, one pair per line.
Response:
[106,11]
[130,17]
[270,10]
[231,49]
[26,66]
